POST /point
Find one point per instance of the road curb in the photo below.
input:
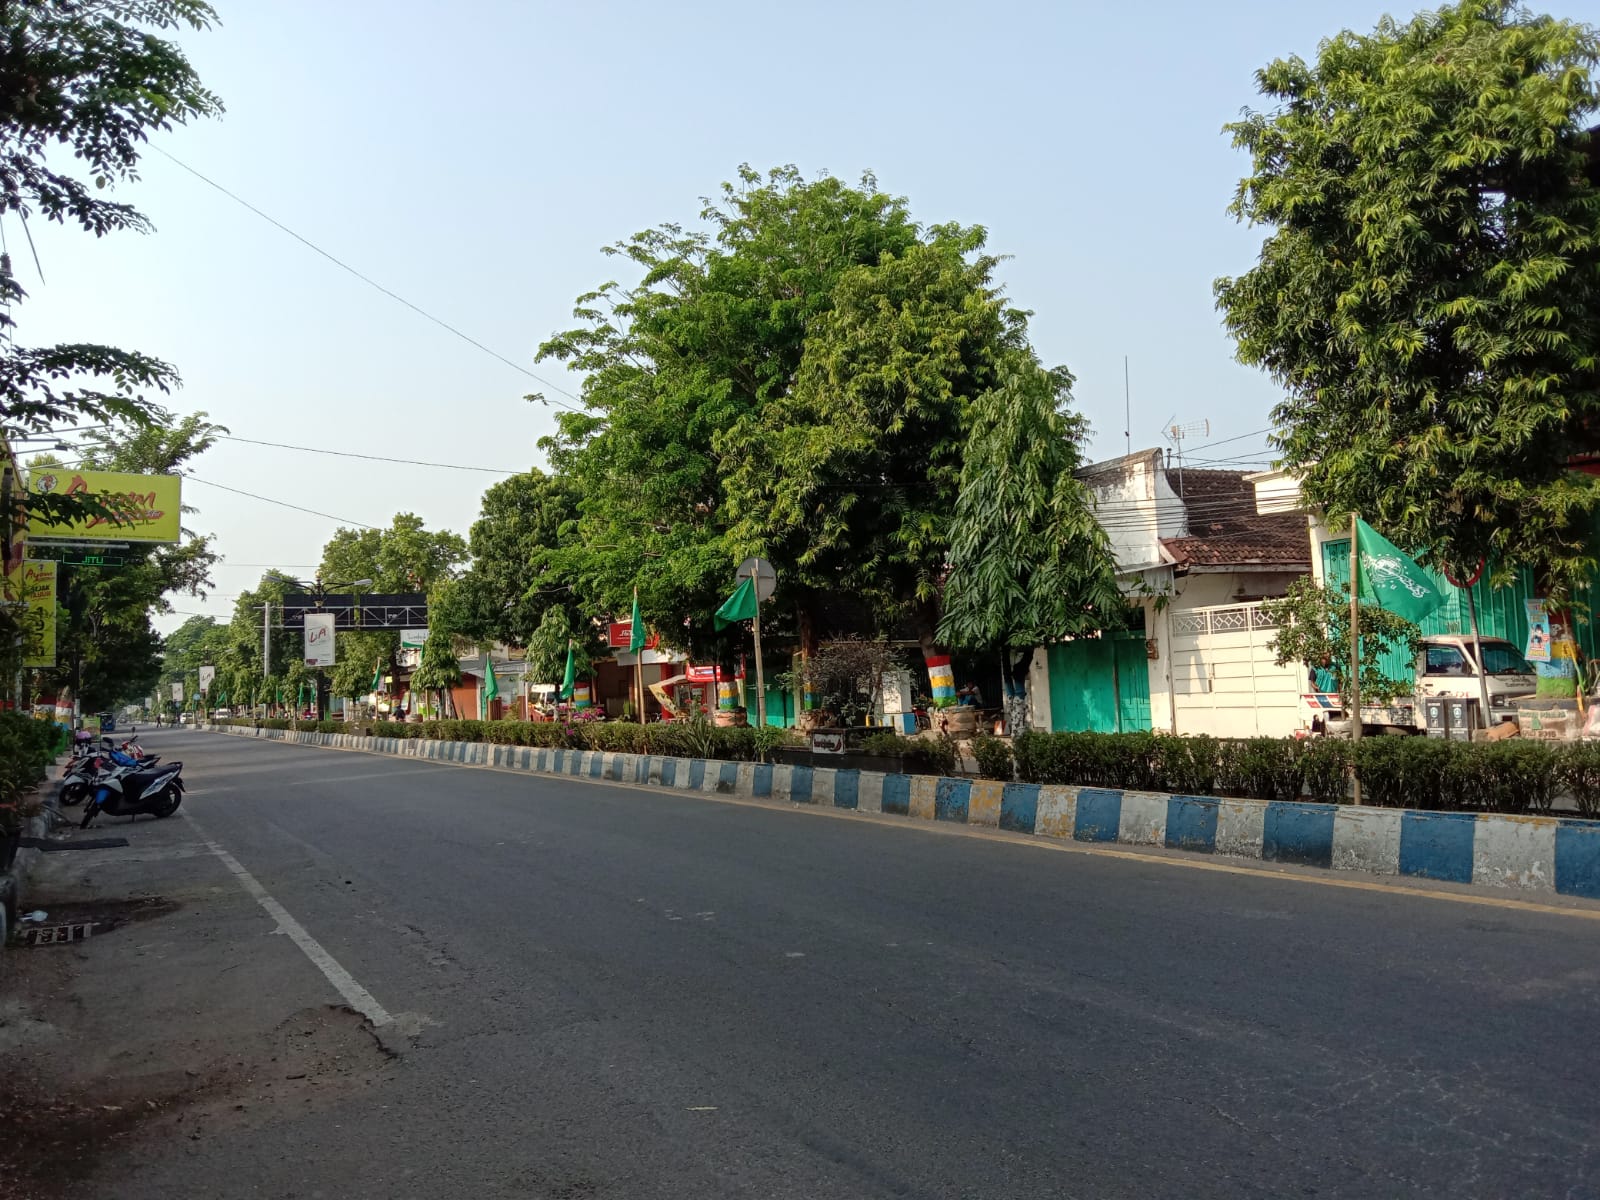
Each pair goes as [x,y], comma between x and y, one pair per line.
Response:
[1541,854]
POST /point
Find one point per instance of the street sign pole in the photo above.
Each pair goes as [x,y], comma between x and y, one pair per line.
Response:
[764,580]
[761,682]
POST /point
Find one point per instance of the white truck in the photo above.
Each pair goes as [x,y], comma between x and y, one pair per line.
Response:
[1446,670]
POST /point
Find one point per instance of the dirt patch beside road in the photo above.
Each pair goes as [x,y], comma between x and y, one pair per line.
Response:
[184,1018]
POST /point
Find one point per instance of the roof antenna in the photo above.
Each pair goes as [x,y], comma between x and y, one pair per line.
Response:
[1177,433]
[1127,406]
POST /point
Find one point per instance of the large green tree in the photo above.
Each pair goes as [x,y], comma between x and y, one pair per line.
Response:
[513,579]
[83,84]
[794,382]
[1029,563]
[1429,291]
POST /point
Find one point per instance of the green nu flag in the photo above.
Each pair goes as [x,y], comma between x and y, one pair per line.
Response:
[636,634]
[741,606]
[570,680]
[1392,580]
[377,677]
[491,685]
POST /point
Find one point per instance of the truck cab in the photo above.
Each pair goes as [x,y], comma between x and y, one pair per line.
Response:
[1447,668]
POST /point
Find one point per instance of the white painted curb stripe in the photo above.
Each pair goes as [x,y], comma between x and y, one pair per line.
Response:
[356,996]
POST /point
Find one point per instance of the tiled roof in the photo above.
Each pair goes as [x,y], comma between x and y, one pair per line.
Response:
[1225,529]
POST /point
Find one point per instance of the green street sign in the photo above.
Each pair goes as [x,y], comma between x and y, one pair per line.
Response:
[94,560]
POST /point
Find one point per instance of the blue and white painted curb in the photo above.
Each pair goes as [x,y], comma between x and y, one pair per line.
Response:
[1552,854]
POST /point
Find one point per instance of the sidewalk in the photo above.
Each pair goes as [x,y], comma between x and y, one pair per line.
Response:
[182,1017]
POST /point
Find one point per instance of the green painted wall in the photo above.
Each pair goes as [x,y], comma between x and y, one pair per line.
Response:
[1501,611]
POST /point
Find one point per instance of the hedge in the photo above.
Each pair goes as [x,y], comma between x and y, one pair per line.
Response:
[693,739]
[27,746]
[1396,772]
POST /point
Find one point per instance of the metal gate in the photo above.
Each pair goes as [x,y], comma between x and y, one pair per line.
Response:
[1224,679]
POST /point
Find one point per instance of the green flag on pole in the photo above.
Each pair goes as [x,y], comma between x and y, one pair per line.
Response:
[636,636]
[377,677]
[741,606]
[491,685]
[1390,579]
[569,681]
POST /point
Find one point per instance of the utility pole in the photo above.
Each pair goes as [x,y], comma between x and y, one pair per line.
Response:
[266,640]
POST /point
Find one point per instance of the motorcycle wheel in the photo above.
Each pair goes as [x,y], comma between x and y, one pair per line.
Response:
[168,802]
[74,793]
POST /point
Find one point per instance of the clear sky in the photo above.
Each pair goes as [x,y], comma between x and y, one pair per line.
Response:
[474,157]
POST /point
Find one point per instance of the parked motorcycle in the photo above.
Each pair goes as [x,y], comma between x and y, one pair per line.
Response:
[130,791]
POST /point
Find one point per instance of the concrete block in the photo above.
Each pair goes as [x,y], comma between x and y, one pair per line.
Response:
[1099,815]
[983,802]
[823,782]
[897,795]
[1437,845]
[1019,807]
[1515,851]
[869,791]
[1191,823]
[1056,813]
[924,797]
[1298,833]
[1144,819]
[1366,839]
[1239,827]
[952,800]
[847,788]
[1578,859]
[801,785]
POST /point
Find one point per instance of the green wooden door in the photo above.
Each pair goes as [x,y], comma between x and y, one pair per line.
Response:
[1099,685]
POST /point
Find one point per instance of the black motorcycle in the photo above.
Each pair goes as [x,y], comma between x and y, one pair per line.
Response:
[128,792]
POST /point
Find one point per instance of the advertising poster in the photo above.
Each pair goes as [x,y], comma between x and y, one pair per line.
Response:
[1538,650]
[33,585]
[319,639]
[148,505]
[207,674]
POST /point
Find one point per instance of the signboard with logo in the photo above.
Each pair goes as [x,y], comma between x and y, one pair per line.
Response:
[147,505]
[32,587]
[319,639]
[413,639]
[177,693]
[827,742]
[207,674]
[619,636]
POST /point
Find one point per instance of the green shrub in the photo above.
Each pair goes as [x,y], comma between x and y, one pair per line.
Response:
[1265,768]
[1578,773]
[936,755]
[27,746]
[1503,777]
[1406,772]
[1187,766]
[1325,769]
[994,757]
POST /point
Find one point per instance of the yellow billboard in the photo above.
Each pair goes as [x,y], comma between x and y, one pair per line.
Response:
[148,505]
[31,594]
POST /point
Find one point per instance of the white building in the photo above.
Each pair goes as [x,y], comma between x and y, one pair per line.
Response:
[1196,557]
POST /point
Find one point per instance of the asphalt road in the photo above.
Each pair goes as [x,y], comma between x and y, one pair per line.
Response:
[628,994]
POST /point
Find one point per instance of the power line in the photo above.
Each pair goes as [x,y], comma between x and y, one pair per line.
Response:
[280,503]
[370,282]
[408,462]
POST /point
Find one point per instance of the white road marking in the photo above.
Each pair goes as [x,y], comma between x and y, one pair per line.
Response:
[356,996]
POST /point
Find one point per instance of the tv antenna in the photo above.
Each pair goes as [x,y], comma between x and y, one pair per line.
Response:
[1177,433]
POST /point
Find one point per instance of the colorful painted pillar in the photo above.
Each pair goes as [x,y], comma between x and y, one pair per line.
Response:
[582,696]
[941,678]
[727,693]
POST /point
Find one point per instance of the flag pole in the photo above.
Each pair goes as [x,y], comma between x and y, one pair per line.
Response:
[1355,659]
[638,655]
[761,683]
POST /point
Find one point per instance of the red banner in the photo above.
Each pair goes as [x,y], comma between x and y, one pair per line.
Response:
[619,636]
